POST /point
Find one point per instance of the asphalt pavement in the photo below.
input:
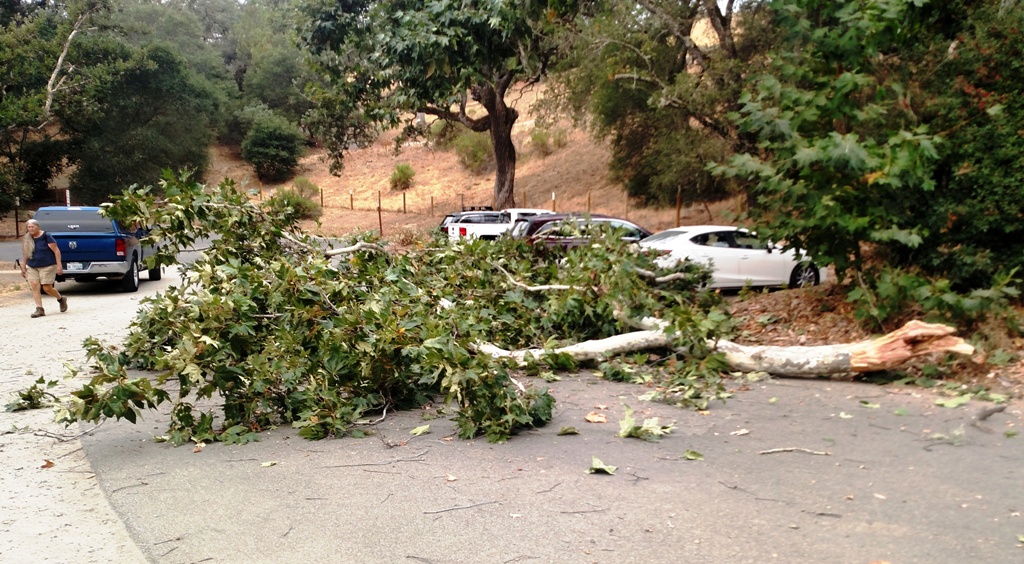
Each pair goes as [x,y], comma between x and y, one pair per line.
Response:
[791,471]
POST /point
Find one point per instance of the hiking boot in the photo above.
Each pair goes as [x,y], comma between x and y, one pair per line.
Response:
[63,301]
[39,312]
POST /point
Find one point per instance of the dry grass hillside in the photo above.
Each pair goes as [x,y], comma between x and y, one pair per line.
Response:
[573,175]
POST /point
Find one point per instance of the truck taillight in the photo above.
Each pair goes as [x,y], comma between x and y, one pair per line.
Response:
[462,232]
[119,247]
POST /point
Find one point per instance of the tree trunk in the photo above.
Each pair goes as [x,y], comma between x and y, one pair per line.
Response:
[504,158]
[501,118]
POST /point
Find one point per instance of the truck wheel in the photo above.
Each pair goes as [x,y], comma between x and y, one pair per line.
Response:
[130,281]
[155,273]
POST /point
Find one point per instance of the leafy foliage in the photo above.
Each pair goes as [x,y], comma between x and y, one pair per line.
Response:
[34,397]
[153,114]
[839,157]
[474,151]
[272,146]
[281,334]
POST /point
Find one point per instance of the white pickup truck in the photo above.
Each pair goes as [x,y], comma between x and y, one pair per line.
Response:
[487,224]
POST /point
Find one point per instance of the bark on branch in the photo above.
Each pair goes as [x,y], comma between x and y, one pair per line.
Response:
[914,339]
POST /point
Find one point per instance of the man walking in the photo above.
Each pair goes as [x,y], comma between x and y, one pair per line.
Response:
[40,265]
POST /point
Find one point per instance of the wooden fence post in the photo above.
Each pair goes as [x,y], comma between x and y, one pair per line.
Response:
[679,206]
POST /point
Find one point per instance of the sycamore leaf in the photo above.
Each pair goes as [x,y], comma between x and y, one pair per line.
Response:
[421,430]
[693,455]
[598,467]
[595,417]
[269,464]
[568,431]
[953,402]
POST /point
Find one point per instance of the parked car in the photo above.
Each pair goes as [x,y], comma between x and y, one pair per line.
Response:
[92,246]
[486,224]
[574,229]
[736,257]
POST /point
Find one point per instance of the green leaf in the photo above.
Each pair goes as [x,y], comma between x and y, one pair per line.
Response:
[598,467]
[954,402]
[844,415]
[693,455]
[568,431]
[1011,434]
[421,430]
[902,412]
[865,403]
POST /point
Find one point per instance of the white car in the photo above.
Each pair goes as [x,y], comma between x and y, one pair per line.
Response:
[736,257]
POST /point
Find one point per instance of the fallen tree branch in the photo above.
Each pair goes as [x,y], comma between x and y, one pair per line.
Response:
[914,339]
[361,245]
[542,288]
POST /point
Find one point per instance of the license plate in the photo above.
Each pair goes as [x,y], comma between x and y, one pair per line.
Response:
[74,266]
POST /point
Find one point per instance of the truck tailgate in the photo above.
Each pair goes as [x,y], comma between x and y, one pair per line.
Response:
[87,247]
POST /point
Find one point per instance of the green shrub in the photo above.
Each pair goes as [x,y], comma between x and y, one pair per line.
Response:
[401,177]
[475,152]
[541,141]
[306,188]
[272,146]
[890,296]
[302,199]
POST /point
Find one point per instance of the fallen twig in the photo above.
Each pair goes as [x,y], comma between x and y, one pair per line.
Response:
[795,449]
[414,458]
[457,507]
[66,438]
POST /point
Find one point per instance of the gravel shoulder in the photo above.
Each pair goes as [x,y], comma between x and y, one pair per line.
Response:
[52,508]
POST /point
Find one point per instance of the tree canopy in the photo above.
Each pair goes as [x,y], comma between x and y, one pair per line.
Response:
[884,130]
[384,61]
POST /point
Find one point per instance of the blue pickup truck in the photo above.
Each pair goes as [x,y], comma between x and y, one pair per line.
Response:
[93,246]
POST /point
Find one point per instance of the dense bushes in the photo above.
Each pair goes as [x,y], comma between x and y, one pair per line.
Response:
[301,201]
[272,144]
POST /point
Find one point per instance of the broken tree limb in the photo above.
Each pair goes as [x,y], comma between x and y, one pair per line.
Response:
[914,339]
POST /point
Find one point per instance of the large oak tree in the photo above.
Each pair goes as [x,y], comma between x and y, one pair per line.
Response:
[387,60]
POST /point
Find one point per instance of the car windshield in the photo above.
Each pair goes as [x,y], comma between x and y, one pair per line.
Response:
[666,236]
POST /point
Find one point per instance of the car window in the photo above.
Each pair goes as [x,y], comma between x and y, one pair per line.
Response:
[745,240]
[719,239]
[85,221]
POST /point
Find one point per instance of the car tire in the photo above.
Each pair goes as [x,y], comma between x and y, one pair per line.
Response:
[155,273]
[130,280]
[804,275]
